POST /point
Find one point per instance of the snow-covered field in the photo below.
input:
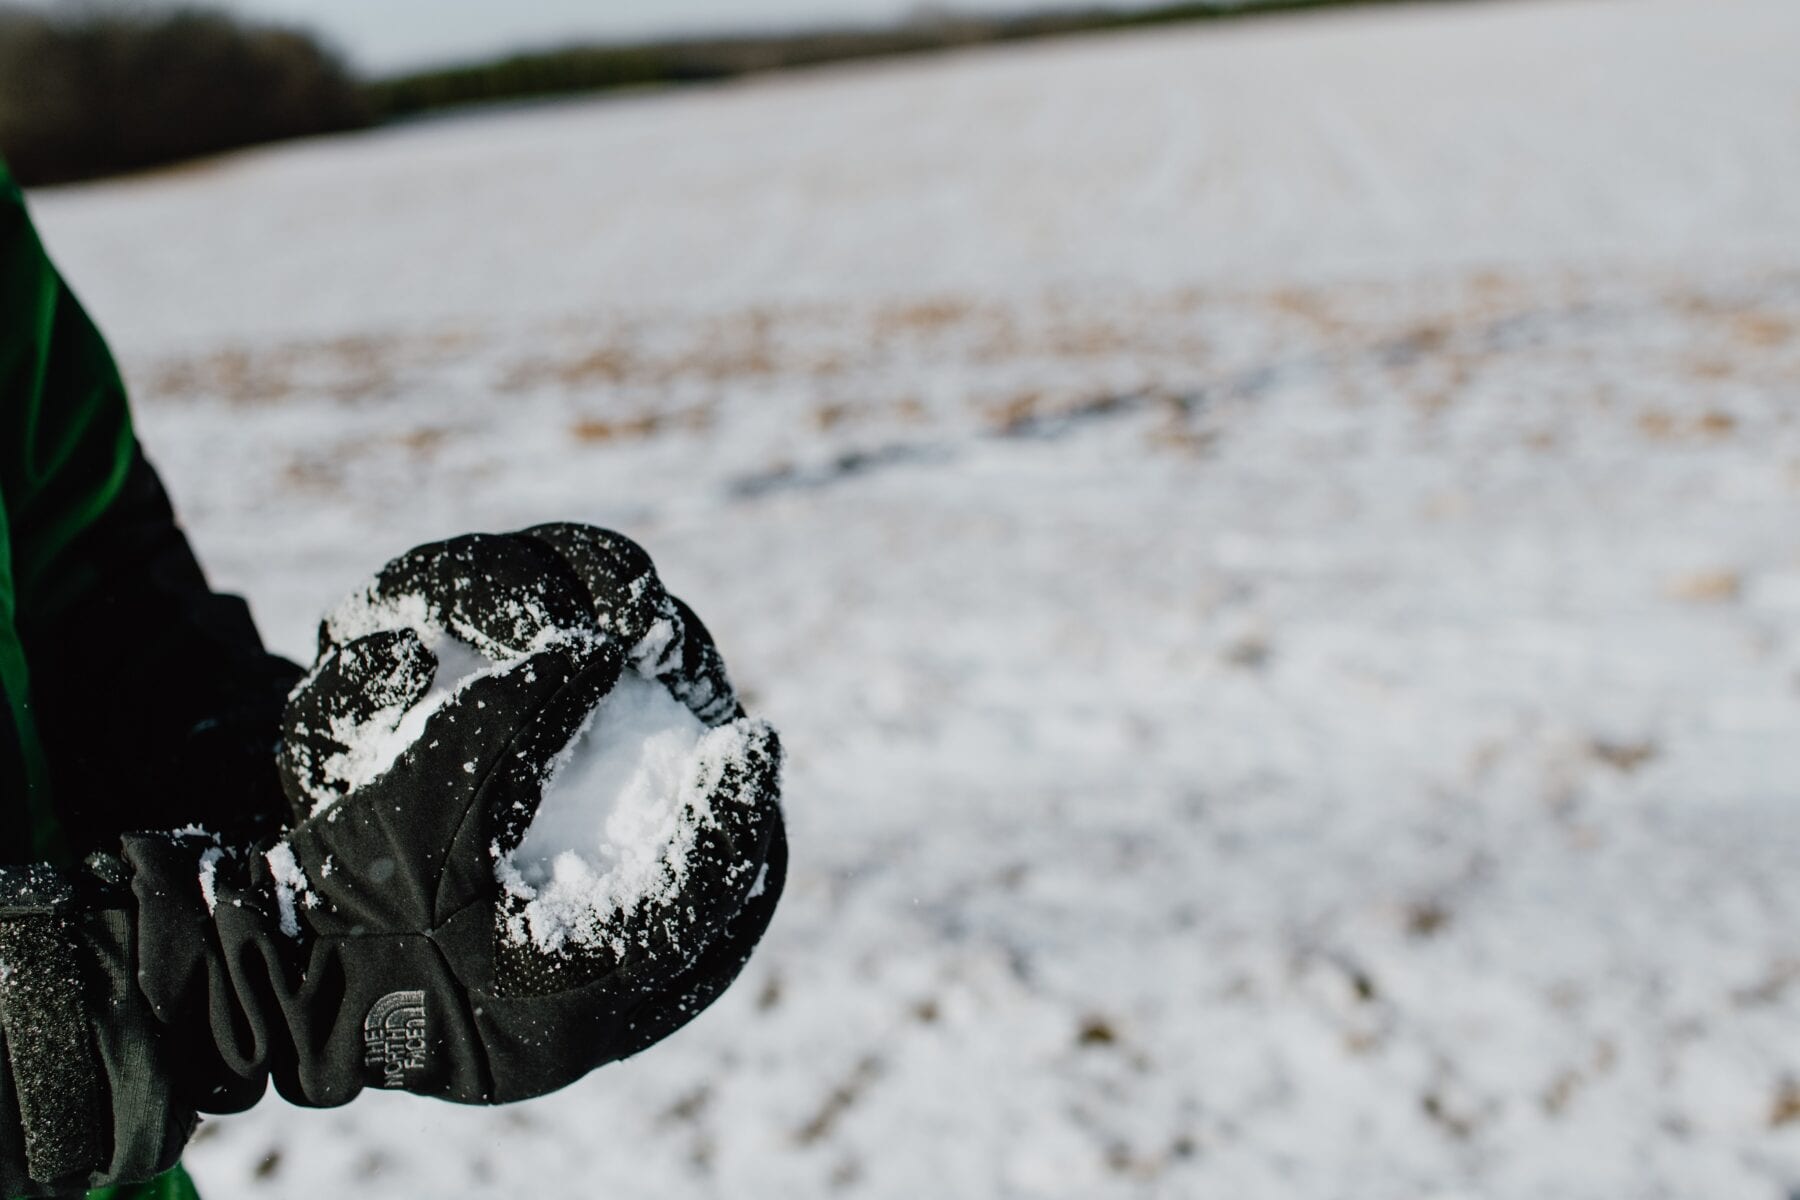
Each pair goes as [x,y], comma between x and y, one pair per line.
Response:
[1275,549]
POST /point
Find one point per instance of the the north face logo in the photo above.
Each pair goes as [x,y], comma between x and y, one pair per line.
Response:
[394,1037]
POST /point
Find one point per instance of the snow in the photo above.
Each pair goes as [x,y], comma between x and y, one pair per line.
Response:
[291,886]
[1271,548]
[209,870]
[654,653]
[457,664]
[373,745]
[617,822]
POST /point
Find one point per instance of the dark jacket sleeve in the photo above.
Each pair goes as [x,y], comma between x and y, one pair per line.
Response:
[153,700]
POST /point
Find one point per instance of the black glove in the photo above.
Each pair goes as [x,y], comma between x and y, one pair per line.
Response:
[374,945]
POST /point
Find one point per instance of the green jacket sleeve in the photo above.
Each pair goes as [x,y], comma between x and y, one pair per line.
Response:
[142,699]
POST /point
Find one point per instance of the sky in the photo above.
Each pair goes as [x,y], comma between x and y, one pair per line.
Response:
[388,35]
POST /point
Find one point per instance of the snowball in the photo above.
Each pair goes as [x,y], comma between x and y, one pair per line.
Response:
[617,821]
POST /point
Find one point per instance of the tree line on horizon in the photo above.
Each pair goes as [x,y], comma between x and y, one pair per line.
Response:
[95,91]
[101,89]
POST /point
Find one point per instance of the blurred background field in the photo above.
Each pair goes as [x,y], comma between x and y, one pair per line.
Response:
[97,87]
[1274,547]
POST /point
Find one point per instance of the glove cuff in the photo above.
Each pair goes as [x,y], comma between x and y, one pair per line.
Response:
[247,990]
[84,1096]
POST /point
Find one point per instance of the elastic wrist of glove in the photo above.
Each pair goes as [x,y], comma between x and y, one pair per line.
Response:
[248,990]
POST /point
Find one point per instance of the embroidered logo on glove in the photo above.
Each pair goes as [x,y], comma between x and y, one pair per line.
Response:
[394,1037]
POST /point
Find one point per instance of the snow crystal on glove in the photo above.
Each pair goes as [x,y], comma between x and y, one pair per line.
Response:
[291,887]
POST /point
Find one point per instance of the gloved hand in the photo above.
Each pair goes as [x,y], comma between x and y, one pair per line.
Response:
[375,944]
